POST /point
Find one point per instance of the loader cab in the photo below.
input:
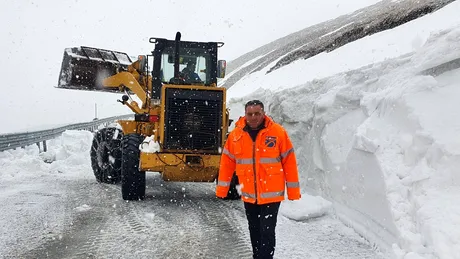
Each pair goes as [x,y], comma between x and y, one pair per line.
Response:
[199,59]
[194,66]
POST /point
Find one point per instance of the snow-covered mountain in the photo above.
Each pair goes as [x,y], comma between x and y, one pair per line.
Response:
[329,35]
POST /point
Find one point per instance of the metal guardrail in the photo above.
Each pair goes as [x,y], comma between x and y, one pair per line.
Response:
[15,140]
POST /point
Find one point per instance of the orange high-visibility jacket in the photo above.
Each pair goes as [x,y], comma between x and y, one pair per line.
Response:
[264,167]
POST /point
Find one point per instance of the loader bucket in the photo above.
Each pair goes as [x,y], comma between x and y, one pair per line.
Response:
[84,68]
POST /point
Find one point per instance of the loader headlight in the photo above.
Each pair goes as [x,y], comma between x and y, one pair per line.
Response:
[155,101]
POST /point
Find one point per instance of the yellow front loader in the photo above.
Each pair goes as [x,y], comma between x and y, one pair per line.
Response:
[180,117]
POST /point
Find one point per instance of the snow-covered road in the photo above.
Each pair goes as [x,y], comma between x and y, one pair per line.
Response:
[79,218]
[58,210]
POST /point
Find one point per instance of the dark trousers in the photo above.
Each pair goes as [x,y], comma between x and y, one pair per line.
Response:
[262,223]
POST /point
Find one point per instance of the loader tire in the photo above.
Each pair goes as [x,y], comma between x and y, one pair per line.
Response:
[132,180]
[106,155]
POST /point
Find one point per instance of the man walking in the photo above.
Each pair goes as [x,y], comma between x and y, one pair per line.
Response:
[261,153]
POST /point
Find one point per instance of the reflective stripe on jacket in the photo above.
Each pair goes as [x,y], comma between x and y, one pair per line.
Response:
[264,167]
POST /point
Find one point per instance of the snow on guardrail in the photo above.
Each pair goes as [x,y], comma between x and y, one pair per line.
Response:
[15,140]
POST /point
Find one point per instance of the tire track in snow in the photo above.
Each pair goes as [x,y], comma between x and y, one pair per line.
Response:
[176,220]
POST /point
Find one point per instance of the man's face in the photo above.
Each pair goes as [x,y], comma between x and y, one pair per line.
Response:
[254,116]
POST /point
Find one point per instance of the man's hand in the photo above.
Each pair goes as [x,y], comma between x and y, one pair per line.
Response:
[295,199]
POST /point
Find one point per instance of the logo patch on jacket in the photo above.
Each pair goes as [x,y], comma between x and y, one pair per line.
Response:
[270,141]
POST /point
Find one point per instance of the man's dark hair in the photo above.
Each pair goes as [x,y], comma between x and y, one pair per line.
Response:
[253,103]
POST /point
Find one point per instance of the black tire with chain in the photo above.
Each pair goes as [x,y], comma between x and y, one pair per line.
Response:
[132,180]
[106,155]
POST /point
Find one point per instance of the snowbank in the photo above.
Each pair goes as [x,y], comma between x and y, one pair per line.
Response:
[306,208]
[381,142]
[67,155]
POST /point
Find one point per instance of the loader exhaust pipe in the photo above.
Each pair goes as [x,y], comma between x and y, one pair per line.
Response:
[177,56]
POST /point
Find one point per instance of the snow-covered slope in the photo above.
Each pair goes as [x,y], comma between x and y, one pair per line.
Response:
[380,141]
[330,35]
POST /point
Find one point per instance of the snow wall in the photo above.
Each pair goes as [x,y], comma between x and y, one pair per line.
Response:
[372,141]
